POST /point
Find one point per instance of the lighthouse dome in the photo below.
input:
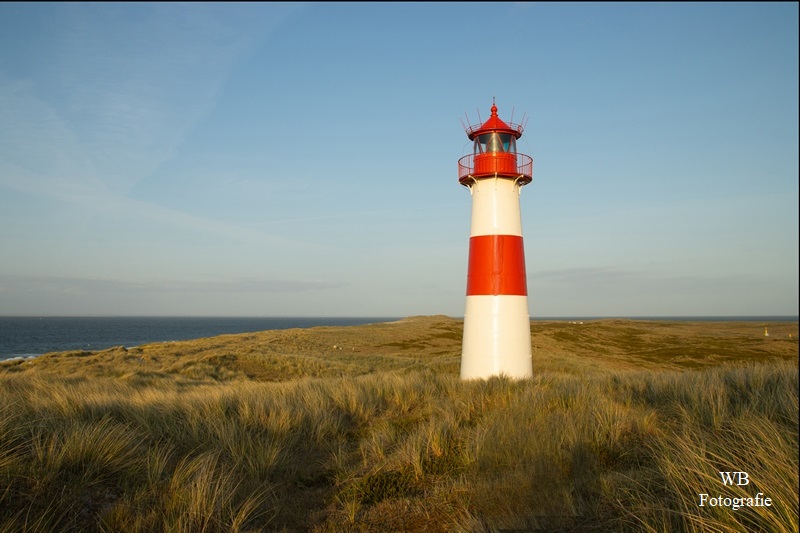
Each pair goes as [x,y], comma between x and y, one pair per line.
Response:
[494,125]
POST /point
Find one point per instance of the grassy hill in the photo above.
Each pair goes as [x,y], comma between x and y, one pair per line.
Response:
[368,428]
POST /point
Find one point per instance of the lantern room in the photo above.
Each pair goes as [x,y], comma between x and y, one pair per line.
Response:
[494,153]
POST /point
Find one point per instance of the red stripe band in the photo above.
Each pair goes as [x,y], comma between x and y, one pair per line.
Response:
[496,266]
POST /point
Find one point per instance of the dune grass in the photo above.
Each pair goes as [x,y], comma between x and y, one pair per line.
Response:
[387,438]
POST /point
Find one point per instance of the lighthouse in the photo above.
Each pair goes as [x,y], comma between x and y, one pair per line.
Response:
[497,334]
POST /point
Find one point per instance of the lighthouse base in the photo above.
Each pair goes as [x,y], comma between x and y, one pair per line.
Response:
[497,338]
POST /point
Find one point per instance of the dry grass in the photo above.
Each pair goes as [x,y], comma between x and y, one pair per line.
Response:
[368,428]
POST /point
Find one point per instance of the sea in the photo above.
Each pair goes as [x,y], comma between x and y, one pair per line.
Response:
[22,337]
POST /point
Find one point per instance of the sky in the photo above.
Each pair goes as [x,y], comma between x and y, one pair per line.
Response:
[270,159]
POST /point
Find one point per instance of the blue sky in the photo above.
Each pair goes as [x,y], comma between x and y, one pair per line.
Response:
[262,159]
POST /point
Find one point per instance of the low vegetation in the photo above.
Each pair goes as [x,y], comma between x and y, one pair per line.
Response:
[368,428]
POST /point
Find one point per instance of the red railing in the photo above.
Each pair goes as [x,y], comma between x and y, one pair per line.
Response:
[500,165]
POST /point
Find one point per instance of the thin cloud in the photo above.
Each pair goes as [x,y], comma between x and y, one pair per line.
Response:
[582,275]
[72,285]
[128,95]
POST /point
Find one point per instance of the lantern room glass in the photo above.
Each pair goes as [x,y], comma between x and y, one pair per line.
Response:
[495,142]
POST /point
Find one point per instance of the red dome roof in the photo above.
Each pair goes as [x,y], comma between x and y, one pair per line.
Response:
[494,124]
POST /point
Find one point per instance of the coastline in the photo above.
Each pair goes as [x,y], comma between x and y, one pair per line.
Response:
[435,341]
[29,337]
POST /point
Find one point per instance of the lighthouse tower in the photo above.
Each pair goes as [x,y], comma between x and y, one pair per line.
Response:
[497,335]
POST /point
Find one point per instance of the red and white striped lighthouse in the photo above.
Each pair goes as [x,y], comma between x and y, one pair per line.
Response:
[497,335]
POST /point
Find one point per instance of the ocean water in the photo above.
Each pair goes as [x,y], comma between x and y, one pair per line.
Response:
[31,336]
